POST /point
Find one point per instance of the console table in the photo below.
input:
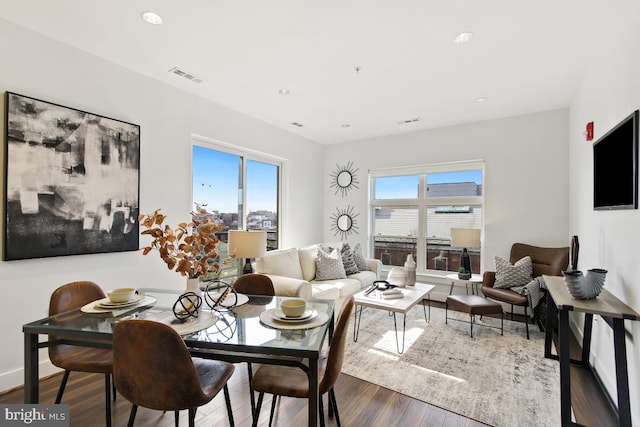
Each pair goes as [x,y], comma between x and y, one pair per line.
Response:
[614,312]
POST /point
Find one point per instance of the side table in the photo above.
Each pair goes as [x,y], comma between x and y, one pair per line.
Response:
[473,281]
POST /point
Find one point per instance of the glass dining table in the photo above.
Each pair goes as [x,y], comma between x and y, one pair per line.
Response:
[235,334]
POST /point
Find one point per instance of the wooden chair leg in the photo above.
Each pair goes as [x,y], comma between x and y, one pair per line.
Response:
[132,415]
[63,384]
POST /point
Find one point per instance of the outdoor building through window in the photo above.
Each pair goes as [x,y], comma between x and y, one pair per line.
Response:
[414,209]
[240,189]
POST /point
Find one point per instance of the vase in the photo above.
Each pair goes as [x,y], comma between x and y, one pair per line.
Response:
[586,286]
[575,249]
[410,267]
[193,285]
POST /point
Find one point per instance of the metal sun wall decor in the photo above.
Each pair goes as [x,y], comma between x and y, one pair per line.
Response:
[344,178]
[344,222]
[71,181]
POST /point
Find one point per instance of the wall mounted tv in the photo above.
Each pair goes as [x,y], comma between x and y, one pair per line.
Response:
[615,167]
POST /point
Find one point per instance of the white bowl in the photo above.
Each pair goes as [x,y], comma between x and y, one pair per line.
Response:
[121,294]
[293,307]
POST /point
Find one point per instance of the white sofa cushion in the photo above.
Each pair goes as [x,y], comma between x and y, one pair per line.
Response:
[366,278]
[283,262]
[345,287]
[326,290]
[308,257]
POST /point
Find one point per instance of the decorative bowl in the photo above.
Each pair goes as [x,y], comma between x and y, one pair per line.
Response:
[293,307]
[121,294]
[586,286]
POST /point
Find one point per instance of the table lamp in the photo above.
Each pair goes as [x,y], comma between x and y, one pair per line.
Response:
[465,238]
[247,244]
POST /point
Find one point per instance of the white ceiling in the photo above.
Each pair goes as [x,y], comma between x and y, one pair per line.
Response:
[527,56]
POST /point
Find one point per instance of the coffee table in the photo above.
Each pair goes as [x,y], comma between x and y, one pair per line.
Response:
[411,296]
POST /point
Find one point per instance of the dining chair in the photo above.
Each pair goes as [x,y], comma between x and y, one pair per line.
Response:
[75,358]
[294,382]
[152,368]
[253,284]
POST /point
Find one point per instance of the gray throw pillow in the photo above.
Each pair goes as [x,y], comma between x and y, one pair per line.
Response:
[361,260]
[349,260]
[510,276]
[329,266]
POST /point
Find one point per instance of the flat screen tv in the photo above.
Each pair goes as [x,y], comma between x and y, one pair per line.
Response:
[615,167]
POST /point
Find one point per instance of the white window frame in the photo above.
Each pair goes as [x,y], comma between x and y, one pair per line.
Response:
[246,154]
[422,201]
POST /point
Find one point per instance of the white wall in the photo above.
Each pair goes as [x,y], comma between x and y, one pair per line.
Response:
[42,68]
[608,239]
[526,176]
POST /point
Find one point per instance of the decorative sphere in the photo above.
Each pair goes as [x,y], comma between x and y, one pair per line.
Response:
[187,305]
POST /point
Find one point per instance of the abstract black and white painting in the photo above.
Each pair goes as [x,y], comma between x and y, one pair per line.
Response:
[71,181]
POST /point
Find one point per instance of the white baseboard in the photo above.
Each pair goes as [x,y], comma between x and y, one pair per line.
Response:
[14,379]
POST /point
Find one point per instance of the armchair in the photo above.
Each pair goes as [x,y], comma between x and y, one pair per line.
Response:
[549,261]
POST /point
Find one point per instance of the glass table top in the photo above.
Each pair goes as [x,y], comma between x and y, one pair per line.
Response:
[238,329]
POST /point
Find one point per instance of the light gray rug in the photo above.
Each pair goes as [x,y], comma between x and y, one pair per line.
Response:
[497,380]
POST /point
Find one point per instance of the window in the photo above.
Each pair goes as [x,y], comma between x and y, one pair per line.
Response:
[414,209]
[241,189]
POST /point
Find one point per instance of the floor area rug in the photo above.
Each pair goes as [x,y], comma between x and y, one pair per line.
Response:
[497,380]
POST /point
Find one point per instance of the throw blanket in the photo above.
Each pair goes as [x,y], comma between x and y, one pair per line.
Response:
[533,292]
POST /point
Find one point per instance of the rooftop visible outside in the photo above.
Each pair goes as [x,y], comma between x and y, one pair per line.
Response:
[396,228]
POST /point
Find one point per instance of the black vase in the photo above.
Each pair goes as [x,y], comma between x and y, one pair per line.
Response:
[575,249]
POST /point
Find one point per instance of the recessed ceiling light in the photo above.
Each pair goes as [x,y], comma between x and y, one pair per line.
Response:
[463,37]
[152,18]
[481,99]
[283,91]
[346,125]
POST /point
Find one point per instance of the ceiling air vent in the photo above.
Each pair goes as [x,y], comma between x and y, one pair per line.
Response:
[406,122]
[297,124]
[189,76]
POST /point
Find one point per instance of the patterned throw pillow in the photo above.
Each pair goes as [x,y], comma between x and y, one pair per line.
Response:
[361,260]
[329,266]
[509,276]
[349,260]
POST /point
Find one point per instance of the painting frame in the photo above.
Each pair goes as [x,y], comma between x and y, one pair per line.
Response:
[71,181]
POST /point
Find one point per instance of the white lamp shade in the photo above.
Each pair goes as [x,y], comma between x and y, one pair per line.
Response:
[247,244]
[465,237]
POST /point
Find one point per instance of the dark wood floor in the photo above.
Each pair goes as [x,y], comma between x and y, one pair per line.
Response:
[360,403]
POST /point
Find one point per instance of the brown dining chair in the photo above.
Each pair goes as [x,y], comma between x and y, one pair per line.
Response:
[253,284]
[152,368]
[294,382]
[75,358]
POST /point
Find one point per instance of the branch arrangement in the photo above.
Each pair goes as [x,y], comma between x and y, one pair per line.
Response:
[190,248]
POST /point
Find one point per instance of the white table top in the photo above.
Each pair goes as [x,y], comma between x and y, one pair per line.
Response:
[475,278]
[412,296]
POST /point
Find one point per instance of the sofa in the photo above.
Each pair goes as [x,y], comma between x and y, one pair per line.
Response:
[294,271]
